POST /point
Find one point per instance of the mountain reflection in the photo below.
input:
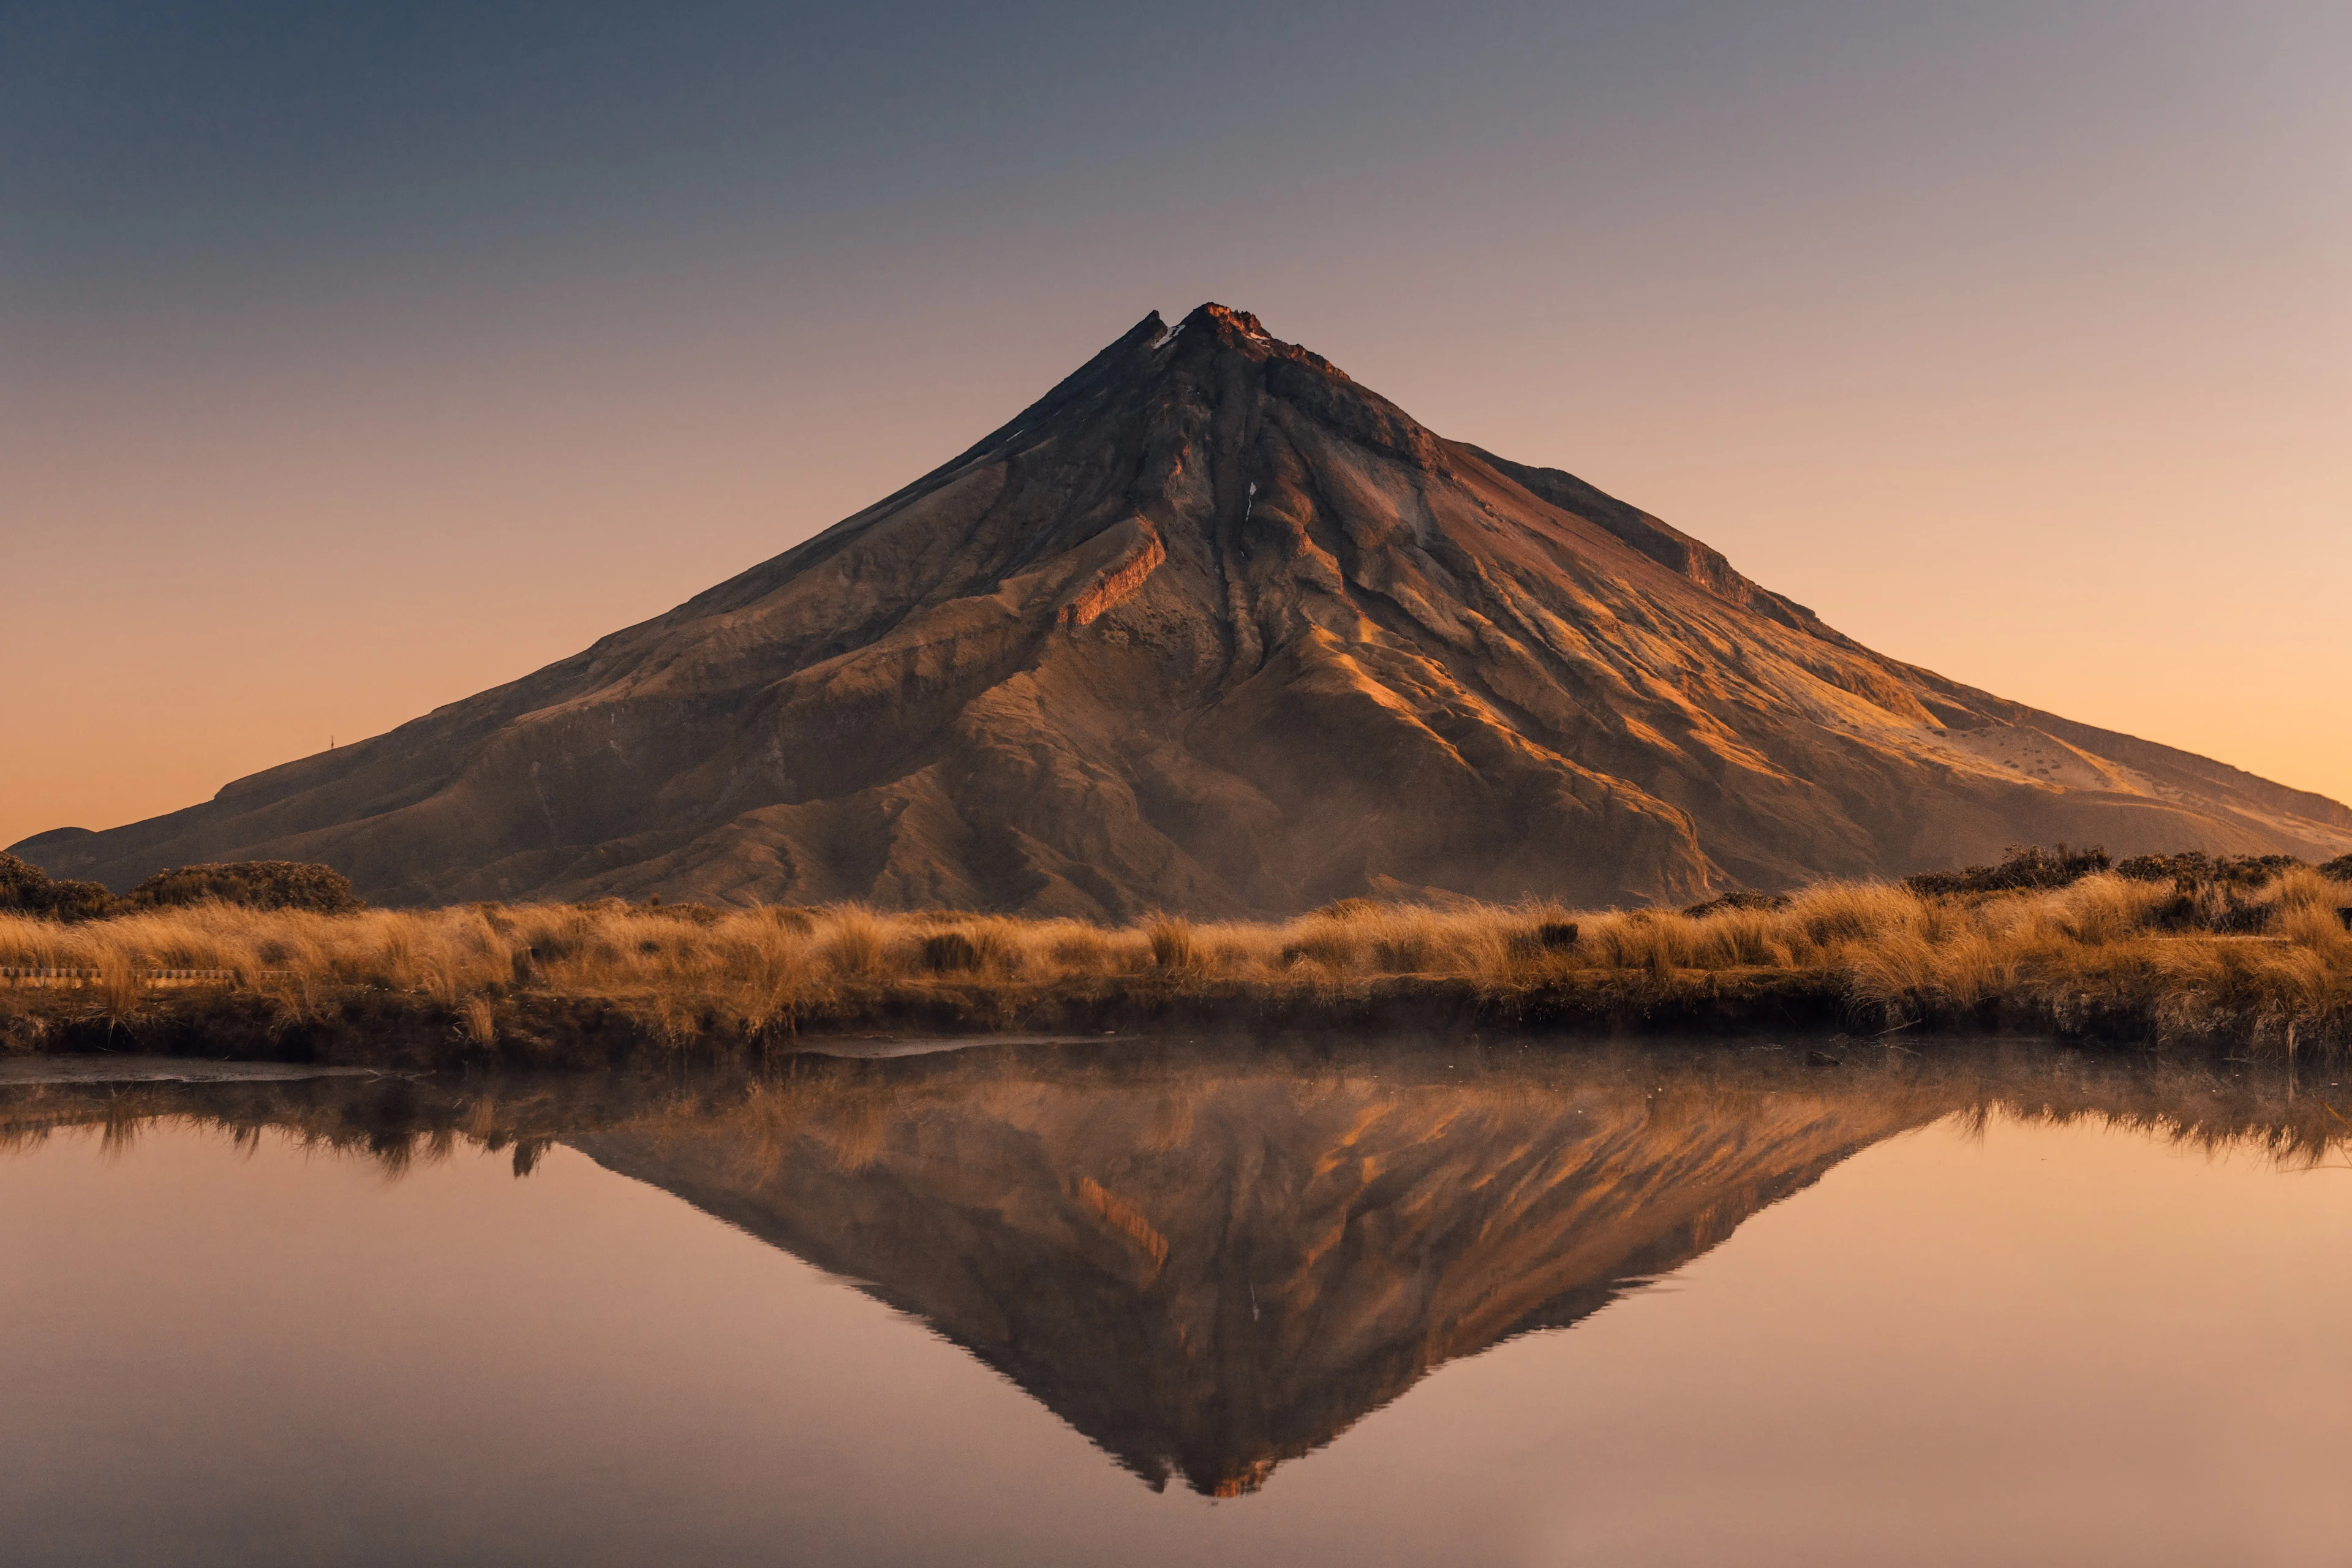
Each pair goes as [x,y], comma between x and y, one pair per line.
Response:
[1209,1271]
[1210,1261]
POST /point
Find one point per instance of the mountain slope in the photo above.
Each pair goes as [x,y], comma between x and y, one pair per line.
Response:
[1210,627]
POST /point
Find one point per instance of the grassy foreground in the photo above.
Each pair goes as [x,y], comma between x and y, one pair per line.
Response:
[2103,958]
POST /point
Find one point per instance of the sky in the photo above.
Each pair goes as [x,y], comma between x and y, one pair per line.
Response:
[355,358]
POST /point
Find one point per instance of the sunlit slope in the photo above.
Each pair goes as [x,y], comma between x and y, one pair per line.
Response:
[1211,627]
[1207,1272]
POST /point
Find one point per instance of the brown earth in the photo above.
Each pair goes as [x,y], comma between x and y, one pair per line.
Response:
[1210,628]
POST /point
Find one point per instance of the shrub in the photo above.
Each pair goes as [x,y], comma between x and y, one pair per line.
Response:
[2338,869]
[26,888]
[254,884]
[2194,867]
[2024,868]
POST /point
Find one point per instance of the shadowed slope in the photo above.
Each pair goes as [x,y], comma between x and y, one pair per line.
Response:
[1210,627]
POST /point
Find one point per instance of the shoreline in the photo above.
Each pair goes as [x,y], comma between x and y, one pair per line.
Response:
[371,1027]
[2261,968]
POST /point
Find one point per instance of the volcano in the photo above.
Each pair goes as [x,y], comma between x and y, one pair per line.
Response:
[1212,628]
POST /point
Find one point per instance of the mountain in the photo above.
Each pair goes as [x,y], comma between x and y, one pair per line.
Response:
[1211,628]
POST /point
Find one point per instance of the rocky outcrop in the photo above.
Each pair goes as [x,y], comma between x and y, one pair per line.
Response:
[1211,627]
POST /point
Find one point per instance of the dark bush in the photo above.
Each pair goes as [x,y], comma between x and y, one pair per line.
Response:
[26,888]
[257,884]
[1553,935]
[2195,868]
[22,885]
[2339,869]
[76,900]
[1739,899]
[2025,869]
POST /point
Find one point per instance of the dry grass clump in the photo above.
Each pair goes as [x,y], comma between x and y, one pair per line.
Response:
[2103,945]
[1173,948]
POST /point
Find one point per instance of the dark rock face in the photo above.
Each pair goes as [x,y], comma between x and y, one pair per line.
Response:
[1211,628]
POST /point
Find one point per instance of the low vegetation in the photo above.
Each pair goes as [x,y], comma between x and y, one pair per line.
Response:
[253,884]
[26,888]
[2217,956]
[2024,870]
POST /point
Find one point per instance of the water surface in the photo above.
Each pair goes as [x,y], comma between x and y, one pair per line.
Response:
[1103,1304]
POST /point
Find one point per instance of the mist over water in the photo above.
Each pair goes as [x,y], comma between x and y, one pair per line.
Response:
[1386,1303]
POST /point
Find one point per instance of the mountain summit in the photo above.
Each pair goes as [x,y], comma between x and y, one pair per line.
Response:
[1211,627]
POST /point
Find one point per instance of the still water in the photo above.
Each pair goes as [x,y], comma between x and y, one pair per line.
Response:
[1180,1304]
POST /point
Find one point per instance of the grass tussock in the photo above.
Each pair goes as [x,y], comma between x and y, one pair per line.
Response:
[2232,959]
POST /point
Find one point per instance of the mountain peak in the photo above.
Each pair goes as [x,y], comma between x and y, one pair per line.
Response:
[1223,326]
[1211,627]
[1226,321]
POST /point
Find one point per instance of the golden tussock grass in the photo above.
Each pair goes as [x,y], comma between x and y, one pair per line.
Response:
[2104,948]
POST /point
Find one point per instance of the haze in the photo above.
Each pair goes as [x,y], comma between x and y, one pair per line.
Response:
[352,361]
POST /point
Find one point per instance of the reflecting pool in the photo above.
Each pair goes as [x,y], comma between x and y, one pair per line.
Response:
[1158,1302]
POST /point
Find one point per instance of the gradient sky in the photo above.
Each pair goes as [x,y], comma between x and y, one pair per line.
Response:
[354,358]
